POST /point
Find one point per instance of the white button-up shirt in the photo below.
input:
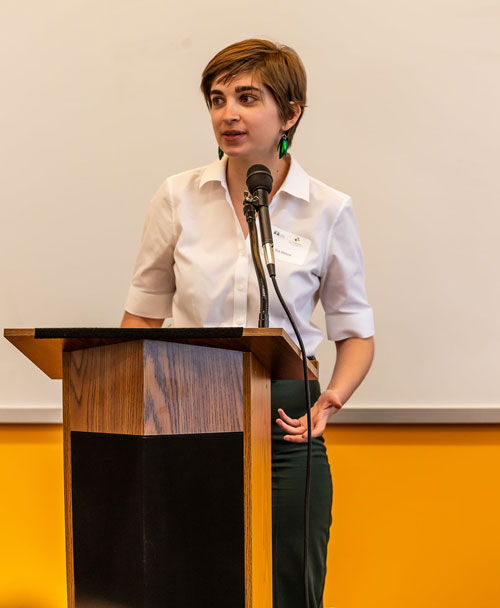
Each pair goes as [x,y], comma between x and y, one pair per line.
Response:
[195,266]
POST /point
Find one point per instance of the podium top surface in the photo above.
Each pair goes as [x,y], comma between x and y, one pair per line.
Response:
[272,346]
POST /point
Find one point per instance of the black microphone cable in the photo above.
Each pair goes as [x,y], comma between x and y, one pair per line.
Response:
[259,183]
[307,497]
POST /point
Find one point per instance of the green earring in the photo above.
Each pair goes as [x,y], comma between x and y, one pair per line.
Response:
[221,153]
[283,145]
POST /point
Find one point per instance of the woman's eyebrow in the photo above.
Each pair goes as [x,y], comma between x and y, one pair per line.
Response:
[241,89]
[247,88]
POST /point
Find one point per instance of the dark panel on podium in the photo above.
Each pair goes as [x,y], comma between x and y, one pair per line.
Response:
[158,517]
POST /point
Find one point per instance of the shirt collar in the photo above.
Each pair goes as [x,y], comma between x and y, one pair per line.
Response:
[215,172]
[296,182]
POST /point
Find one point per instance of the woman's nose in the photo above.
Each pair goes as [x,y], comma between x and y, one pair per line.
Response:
[231,113]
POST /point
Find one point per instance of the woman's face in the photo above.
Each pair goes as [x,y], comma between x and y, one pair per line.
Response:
[246,118]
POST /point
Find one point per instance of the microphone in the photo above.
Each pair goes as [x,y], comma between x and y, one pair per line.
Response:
[259,184]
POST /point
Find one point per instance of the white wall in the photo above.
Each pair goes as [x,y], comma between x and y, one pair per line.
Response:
[100,102]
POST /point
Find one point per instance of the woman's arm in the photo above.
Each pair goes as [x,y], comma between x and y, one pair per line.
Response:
[130,320]
[354,358]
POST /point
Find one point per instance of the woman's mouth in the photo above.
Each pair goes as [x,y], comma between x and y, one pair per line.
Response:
[231,136]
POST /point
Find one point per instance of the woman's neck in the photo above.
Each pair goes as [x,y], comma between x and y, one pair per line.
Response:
[236,173]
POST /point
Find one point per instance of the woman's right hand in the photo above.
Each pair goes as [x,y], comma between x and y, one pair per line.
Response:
[295,429]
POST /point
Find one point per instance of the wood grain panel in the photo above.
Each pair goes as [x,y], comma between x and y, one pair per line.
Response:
[106,389]
[191,389]
[258,506]
[68,503]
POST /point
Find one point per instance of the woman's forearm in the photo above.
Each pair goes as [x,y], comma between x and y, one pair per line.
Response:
[354,358]
[130,320]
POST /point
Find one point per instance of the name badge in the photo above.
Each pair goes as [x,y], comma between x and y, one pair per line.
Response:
[290,247]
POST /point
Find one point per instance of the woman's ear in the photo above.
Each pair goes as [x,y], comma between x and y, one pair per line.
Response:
[295,112]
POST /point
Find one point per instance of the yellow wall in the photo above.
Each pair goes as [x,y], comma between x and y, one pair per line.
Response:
[416,517]
[32,552]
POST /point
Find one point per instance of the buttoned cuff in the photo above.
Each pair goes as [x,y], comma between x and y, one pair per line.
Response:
[341,325]
[150,305]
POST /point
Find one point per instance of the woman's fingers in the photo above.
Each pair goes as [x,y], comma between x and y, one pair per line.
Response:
[287,419]
[318,424]
[296,429]
[296,438]
[289,425]
[289,428]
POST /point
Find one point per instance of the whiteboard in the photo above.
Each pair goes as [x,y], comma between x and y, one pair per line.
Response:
[101,102]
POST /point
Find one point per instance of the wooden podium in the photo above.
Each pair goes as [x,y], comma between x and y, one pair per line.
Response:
[167,461]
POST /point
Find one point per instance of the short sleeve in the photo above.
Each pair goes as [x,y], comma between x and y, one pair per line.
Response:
[342,290]
[153,284]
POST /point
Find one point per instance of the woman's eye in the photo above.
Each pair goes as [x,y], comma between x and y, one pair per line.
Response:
[217,101]
[248,98]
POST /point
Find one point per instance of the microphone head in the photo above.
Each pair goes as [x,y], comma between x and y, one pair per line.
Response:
[259,177]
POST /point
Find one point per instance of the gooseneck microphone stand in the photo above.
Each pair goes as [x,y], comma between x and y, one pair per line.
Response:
[251,206]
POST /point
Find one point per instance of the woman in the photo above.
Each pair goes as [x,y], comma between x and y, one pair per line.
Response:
[195,267]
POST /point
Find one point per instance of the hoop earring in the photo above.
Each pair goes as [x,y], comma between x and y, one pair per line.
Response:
[220,153]
[283,145]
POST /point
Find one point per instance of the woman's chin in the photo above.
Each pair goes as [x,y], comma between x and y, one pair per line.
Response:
[234,152]
[252,157]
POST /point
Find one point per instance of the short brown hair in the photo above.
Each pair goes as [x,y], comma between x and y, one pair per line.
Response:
[278,67]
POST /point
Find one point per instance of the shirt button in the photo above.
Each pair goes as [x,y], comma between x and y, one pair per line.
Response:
[240,287]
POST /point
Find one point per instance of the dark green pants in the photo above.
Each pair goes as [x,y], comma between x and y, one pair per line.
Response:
[288,485]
